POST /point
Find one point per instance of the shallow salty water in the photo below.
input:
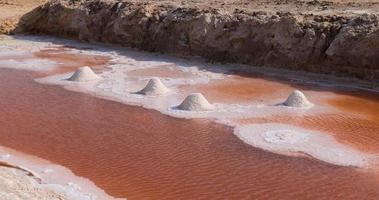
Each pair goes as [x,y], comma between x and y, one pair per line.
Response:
[138,153]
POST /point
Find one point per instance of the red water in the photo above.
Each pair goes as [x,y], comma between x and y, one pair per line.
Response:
[141,154]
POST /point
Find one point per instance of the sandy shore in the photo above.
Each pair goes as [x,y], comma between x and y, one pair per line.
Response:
[15,184]
[27,177]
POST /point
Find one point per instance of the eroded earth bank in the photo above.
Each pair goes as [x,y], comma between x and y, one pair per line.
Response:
[331,37]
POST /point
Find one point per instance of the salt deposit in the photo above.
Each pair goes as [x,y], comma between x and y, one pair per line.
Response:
[291,140]
[154,87]
[30,64]
[297,99]
[84,74]
[195,102]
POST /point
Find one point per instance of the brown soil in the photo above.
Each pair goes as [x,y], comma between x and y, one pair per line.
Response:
[12,10]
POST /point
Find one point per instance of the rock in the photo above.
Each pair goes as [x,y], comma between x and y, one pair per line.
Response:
[195,102]
[84,74]
[357,44]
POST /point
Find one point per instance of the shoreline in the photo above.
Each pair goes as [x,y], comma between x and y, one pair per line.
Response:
[44,179]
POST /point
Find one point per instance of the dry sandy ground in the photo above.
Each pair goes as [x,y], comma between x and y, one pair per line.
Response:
[16,184]
[303,6]
[12,10]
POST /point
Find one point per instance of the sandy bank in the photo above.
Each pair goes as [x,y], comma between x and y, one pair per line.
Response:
[16,185]
[331,37]
[28,177]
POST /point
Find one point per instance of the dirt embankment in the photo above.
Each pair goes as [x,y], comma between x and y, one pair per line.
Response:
[12,10]
[328,37]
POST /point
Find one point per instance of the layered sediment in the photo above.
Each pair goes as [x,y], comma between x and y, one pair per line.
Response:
[329,38]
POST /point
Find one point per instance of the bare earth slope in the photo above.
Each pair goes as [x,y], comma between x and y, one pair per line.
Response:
[332,37]
[12,10]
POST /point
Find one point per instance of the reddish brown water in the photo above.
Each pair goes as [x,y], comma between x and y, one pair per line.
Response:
[141,154]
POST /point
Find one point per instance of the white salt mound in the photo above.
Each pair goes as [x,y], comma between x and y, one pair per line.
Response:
[297,99]
[154,87]
[195,102]
[84,74]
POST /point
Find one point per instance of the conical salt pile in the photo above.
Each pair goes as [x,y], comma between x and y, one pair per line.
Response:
[154,87]
[84,74]
[195,102]
[297,99]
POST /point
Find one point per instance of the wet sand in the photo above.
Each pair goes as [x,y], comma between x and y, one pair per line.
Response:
[141,154]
